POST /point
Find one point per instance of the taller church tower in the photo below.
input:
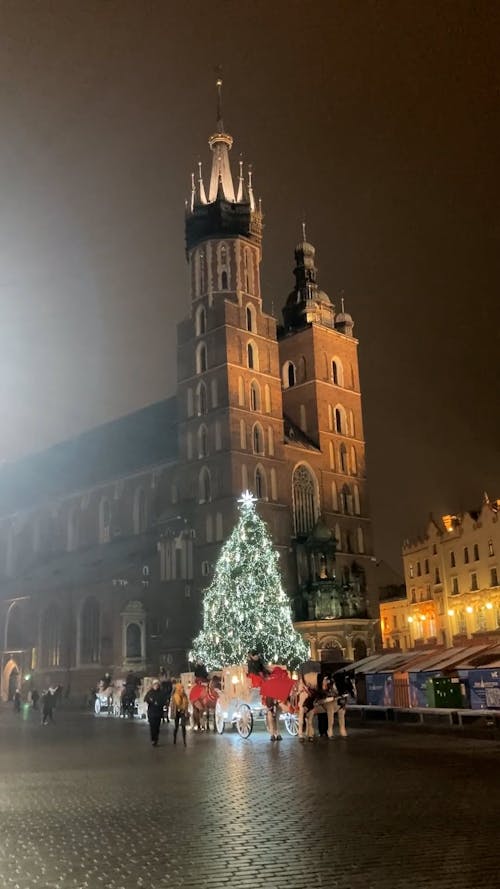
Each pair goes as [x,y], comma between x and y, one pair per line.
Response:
[229,385]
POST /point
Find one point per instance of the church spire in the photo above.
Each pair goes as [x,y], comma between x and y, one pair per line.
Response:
[220,144]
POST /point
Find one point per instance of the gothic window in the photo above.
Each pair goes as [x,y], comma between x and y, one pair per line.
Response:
[104,520]
[241,392]
[204,486]
[357,505]
[140,511]
[335,499]
[200,321]
[223,266]
[201,358]
[73,528]
[214,394]
[252,360]
[346,500]
[223,280]
[201,399]
[332,455]
[337,372]
[258,439]
[133,643]
[51,636]
[254,396]
[270,439]
[189,403]
[260,483]
[202,441]
[354,465]
[340,420]
[343,459]
[305,499]
[274,485]
[267,399]
[243,435]
[288,374]
[250,319]
[89,632]
[361,541]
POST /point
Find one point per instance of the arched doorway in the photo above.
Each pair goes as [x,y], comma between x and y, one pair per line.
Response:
[359,649]
[10,679]
[13,683]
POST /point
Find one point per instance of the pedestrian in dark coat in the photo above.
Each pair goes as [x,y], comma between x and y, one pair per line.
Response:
[48,706]
[155,701]
[34,699]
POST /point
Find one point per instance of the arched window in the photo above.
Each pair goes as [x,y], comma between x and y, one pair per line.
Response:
[204,486]
[274,485]
[346,500]
[343,459]
[258,439]
[51,636]
[243,435]
[335,499]
[288,374]
[250,319]
[89,632]
[73,529]
[252,357]
[189,403]
[199,273]
[305,499]
[241,392]
[223,266]
[337,372]
[200,321]
[267,399]
[104,520]
[209,529]
[201,358]
[214,393]
[332,455]
[201,399]
[352,428]
[260,483]
[340,420]
[254,396]
[354,464]
[357,504]
[223,280]
[133,644]
[140,511]
[202,441]
[270,441]
[361,541]
[219,531]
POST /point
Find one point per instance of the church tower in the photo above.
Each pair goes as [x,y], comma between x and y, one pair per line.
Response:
[322,404]
[229,384]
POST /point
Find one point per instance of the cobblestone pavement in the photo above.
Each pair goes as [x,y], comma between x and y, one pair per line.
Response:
[88,802]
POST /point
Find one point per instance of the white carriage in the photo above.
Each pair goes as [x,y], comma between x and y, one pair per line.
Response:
[240,703]
[109,700]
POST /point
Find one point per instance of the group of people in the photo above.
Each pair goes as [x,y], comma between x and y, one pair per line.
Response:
[50,697]
[166,700]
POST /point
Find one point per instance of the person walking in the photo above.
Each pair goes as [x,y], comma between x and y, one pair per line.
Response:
[48,706]
[155,700]
[179,709]
[34,699]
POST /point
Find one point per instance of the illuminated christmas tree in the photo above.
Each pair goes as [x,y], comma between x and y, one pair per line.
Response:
[245,607]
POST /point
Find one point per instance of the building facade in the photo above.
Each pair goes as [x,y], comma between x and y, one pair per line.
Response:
[451,579]
[107,542]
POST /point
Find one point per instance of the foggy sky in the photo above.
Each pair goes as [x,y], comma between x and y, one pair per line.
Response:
[378,121]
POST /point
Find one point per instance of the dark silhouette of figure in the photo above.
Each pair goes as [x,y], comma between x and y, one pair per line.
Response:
[166,688]
[34,699]
[17,701]
[48,703]
[155,700]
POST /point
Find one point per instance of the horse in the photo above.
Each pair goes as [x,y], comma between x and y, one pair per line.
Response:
[321,694]
[203,698]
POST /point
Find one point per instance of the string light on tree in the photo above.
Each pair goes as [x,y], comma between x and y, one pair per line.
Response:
[245,607]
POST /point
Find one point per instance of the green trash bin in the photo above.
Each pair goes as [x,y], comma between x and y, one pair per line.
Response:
[445,691]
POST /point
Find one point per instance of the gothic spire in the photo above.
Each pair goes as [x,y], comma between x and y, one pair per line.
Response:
[220,144]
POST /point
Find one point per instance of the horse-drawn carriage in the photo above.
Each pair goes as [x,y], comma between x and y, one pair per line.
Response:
[244,698]
[122,697]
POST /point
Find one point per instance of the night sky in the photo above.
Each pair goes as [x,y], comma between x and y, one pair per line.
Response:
[378,121]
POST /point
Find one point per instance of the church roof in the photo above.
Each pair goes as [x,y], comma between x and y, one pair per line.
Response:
[295,436]
[117,448]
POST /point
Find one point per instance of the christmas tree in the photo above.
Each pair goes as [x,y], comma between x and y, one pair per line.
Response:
[245,607]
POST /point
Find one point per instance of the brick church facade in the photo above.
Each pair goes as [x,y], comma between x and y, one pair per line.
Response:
[107,541]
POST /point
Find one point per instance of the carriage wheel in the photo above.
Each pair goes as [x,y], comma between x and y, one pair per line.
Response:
[244,721]
[97,706]
[292,724]
[219,718]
